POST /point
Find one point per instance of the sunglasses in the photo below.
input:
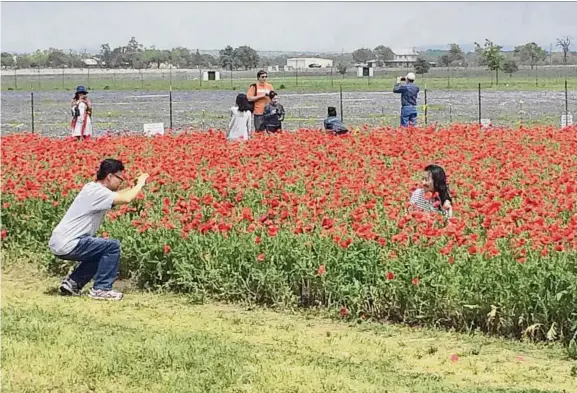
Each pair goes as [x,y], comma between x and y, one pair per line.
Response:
[264,76]
[118,177]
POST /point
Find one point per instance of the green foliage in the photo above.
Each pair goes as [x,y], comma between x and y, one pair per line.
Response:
[362,55]
[510,66]
[492,56]
[342,69]
[7,59]
[530,53]
[421,66]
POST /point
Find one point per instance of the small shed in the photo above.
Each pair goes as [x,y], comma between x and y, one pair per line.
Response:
[364,70]
[211,75]
[273,68]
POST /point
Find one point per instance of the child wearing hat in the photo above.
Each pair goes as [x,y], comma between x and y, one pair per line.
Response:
[81,109]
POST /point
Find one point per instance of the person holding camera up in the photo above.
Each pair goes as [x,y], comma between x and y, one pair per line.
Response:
[409,91]
[258,95]
[74,238]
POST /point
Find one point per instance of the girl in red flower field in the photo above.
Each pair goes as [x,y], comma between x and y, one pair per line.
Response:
[434,194]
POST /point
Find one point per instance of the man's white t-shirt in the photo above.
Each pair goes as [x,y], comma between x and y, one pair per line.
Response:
[83,217]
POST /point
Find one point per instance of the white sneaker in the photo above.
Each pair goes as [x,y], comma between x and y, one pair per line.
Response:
[100,294]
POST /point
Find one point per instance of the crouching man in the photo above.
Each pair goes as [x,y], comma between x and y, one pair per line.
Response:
[74,238]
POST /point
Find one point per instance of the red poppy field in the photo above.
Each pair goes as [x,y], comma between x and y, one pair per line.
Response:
[313,220]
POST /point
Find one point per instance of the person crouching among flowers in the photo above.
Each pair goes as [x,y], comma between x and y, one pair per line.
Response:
[434,195]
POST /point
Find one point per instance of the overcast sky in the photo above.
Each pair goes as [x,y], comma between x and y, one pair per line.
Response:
[281,26]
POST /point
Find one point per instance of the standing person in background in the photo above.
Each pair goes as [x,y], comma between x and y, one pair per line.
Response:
[240,120]
[409,92]
[273,114]
[81,108]
[258,95]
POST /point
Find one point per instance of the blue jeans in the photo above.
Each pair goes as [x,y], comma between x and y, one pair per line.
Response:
[408,116]
[99,258]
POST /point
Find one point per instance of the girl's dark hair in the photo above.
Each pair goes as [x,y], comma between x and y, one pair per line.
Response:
[76,96]
[439,182]
[242,103]
[108,166]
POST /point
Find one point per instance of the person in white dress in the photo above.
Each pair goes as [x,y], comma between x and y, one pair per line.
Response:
[81,109]
[240,120]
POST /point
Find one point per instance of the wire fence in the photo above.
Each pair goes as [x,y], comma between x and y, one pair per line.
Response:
[47,111]
[324,78]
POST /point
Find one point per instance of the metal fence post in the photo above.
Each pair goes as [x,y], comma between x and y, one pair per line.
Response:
[479,104]
[32,109]
[170,106]
[426,106]
[297,75]
[341,95]
[566,105]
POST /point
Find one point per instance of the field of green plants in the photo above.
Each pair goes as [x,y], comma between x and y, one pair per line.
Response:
[310,220]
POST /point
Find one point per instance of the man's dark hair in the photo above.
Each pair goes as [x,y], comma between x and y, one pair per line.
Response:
[261,72]
[108,166]
[332,111]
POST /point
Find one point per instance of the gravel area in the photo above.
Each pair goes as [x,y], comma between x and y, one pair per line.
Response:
[126,110]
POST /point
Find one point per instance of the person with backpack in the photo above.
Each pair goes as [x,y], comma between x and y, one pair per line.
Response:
[258,96]
[273,115]
[81,110]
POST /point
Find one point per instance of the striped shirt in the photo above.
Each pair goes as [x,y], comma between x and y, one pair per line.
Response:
[419,200]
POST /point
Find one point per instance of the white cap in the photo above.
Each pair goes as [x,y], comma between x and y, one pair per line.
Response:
[410,76]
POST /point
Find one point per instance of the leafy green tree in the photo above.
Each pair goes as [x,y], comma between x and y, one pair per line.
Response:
[226,58]
[383,53]
[362,55]
[492,57]
[421,66]
[342,69]
[510,66]
[7,60]
[23,61]
[530,53]
[247,57]
[57,58]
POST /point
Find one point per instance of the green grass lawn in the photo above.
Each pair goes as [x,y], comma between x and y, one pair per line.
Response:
[168,343]
[304,84]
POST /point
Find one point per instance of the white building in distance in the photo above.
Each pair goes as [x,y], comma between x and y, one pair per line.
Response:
[308,62]
[403,57]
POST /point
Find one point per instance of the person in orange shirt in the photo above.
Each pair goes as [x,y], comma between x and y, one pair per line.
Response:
[258,95]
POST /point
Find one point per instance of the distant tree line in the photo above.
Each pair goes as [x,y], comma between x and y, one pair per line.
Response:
[135,56]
